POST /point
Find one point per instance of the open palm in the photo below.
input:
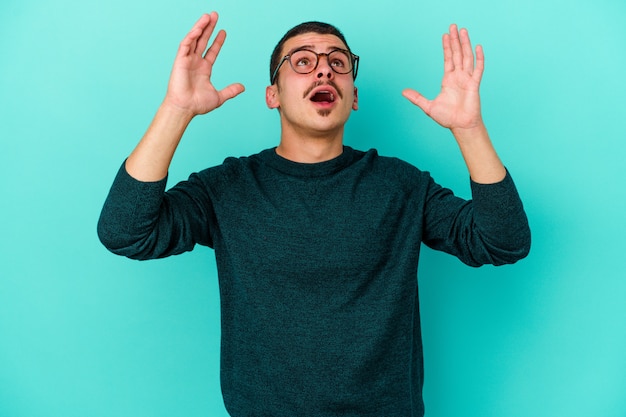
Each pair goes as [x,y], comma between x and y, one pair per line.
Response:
[458,104]
[190,86]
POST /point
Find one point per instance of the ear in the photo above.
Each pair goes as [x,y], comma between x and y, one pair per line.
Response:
[355,103]
[271,97]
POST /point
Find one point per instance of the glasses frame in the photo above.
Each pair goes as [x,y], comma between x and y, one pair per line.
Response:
[354,59]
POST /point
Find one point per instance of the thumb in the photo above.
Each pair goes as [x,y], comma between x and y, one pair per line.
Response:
[231,91]
[417,99]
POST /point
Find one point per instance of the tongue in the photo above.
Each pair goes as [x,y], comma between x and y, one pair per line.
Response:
[322,96]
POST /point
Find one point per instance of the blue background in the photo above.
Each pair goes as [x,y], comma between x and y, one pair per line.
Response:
[86,333]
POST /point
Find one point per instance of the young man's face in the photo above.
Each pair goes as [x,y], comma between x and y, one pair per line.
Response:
[316,103]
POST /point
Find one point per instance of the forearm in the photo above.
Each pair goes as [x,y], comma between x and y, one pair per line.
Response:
[491,228]
[480,156]
[151,159]
[129,214]
[500,220]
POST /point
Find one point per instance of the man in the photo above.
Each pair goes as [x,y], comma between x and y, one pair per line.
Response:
[317,244]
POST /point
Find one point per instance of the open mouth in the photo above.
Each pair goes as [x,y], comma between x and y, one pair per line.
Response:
[323,96]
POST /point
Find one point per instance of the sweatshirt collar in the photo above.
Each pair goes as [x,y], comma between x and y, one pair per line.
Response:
[298,169]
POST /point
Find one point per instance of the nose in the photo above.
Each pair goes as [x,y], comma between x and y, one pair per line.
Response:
[323,67]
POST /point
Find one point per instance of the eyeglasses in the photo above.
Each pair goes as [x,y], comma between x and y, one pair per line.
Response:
[305,61]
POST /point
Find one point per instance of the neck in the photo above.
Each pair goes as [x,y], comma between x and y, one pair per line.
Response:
[310,149]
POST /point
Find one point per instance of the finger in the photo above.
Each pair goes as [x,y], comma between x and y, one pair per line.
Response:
[216,46]
[189,42]
[466,49]
[448,65]
[207,31]
[455,46]
[417,99]
[480,64]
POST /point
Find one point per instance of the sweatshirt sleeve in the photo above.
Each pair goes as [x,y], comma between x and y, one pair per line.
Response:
[492,228]
[140,220]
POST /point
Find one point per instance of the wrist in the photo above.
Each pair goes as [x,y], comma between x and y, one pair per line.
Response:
[476,132]
[176,112]
[480,156]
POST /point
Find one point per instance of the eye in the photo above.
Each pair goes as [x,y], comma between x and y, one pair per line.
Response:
[303,62]
[339,60]
[337,63]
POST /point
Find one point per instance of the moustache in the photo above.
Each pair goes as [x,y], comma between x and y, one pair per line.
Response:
[319,83]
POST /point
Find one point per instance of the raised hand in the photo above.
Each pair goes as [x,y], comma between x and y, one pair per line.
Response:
[189,93]
[190,88]
[458,104]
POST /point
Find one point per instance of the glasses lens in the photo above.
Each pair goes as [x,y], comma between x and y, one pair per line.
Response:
[303,61]
[340,62]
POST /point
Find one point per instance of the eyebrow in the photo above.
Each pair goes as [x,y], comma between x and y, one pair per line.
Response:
[312,48]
